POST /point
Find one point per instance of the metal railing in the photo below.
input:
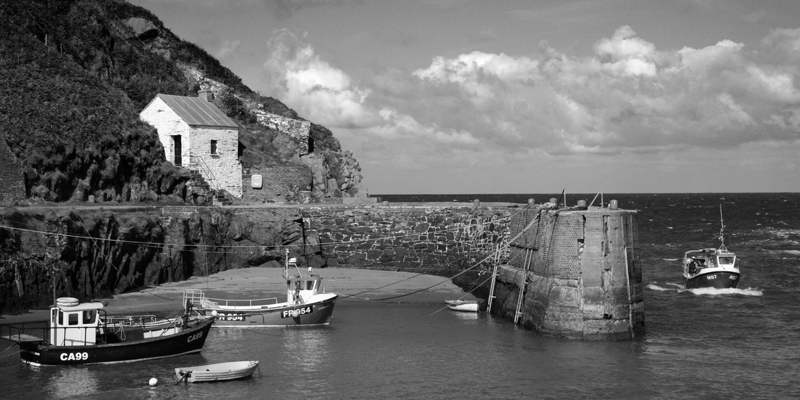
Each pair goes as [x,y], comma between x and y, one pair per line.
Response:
[200,300]
[205,170]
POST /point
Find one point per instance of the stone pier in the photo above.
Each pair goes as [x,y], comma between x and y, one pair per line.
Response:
[577,270]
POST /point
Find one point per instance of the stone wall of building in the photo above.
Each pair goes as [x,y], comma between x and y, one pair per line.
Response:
[222,170]
[12,180]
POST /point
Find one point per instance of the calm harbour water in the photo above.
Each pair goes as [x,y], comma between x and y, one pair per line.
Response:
[739,343]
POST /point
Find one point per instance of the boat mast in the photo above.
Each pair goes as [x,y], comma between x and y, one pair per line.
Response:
[286,264]
[721,231]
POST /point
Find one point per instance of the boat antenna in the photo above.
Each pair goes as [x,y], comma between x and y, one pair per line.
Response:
[721,231]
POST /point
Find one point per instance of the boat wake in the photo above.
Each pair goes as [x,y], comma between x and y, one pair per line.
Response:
[654,286]
[719,292]
[678,288]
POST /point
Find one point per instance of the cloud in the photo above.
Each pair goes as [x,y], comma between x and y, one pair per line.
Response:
[629,97]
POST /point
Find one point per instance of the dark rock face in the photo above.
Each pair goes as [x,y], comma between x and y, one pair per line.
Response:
[95,254]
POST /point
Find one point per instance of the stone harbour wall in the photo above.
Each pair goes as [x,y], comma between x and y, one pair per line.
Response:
[578,273]
[406,238]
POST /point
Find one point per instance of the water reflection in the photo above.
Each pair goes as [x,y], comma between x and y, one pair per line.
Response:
[73,382]
[306,352]
[466,316]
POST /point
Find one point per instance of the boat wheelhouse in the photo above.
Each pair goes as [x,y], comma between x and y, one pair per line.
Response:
[710,267]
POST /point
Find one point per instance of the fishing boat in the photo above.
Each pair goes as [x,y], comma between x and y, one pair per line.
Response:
[227,371]
[81,333]
[711,267]
[306,304]
[463,305]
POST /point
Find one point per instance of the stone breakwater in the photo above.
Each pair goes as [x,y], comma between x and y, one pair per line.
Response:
[573,273]
[93,252]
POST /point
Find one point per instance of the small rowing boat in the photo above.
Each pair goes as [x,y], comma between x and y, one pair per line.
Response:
[463,305]
[227,371]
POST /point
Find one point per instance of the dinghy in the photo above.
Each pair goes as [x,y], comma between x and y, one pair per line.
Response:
[463,305]
[227,371]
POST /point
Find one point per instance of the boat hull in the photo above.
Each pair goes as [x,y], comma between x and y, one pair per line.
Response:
[188,341]
[715,279]
[464,305]
[217,372]
[315,313]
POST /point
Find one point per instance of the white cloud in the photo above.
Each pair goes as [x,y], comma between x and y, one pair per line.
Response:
[483,108]
[318,91]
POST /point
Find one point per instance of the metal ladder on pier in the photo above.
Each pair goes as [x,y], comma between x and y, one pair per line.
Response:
[526,266]
[494,277]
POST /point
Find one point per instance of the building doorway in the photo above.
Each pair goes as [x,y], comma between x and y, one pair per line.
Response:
[176,139]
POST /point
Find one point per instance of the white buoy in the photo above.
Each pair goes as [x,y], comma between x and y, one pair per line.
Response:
[214,313]
[153,382]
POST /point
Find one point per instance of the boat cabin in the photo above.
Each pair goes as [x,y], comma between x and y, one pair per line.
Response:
[74,324]
[300,289]
[709,258]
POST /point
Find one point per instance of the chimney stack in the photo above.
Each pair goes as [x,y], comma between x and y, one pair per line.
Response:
[206,95]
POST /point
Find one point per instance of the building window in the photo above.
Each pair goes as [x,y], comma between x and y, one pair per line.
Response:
[214,147]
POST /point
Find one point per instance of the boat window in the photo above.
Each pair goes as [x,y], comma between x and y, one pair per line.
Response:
[72,318]
[310,285]
[726,260]
[60,317]
[89,316]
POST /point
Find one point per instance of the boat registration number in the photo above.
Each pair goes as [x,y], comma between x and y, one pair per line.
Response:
[297,312]
[82,356]
[231,317]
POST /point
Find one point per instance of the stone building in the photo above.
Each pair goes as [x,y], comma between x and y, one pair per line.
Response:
[198,136]
[12,180]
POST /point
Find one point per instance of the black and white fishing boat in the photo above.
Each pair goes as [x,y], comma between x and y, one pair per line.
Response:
[82,333]
[710,267]
[306,304]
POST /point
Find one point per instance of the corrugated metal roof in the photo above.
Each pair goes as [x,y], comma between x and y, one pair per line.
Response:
[197,112]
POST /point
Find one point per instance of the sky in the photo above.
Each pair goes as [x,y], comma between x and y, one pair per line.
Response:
[540,96]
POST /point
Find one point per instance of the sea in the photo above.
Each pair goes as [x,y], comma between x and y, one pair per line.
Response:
[739,343]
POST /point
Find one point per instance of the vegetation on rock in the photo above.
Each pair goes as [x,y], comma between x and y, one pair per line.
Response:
[76,74]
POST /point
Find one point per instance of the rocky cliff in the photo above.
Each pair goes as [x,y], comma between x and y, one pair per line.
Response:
[96,253]
[77,73]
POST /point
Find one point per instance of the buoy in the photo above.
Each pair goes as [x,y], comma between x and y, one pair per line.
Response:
[153,381]
[295,313]
[214,313]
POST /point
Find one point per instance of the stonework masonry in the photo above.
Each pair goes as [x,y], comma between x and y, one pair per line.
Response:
[578,272]
[413,238]
[278,182]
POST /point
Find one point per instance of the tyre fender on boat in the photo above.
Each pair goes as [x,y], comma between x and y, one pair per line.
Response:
[67,302]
